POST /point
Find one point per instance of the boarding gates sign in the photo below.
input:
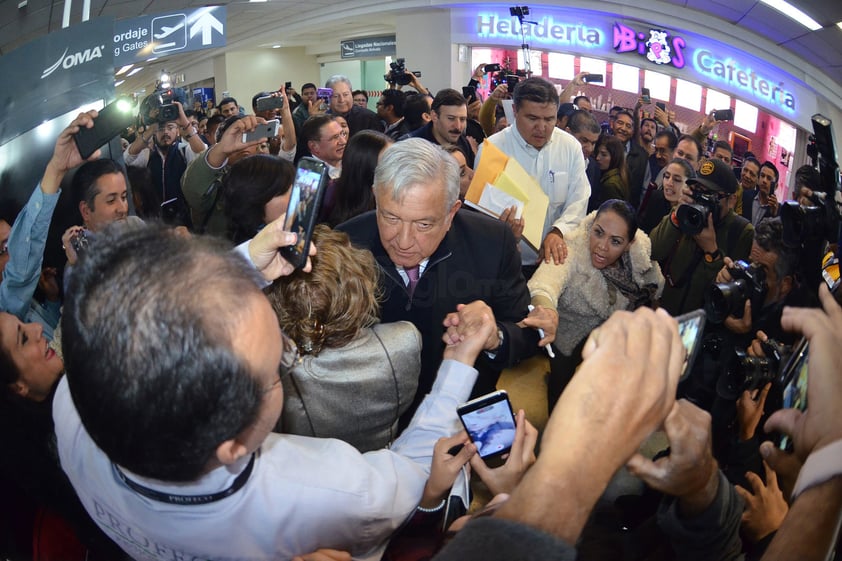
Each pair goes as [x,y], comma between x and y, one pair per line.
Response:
[139,39]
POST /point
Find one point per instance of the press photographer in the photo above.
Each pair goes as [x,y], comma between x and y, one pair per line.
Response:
[692,242]
[166,143]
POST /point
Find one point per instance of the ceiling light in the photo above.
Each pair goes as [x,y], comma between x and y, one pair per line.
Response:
[839,24]
[124,69]
[792,12]
[133,72]
[276,46]
[118,84]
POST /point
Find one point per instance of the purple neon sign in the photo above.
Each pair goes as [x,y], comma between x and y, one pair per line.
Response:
[659,47]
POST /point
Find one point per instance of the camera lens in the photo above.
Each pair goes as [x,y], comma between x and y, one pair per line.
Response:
[692,219]
[725,299]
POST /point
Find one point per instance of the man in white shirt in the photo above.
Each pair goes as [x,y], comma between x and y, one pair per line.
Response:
[553,158]
[164,417]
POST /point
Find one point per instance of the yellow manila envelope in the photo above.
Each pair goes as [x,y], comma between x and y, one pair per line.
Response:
[492,162]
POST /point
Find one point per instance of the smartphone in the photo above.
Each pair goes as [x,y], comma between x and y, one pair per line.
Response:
[268,103]
[324,93]
[111,120]
[288,85]
[469,93]
[661,105]
[494,67]
[269,129]
[511,81]
[691,327]
[794,382]
[644,94]
[490,423]
[724,115]
[589,78]
[303,209]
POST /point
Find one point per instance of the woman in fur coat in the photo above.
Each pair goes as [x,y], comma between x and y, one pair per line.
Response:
[608,268]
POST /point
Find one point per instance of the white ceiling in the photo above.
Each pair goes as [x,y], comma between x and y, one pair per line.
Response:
[319,24]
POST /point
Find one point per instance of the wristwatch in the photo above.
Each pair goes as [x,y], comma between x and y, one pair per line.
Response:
[711,257]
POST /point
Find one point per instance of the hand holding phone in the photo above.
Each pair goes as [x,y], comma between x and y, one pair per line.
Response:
[303,208]
[723,115]
[505,478]
[469,93]
[691,326]
[644,95]
[266,130]
[591,78]
[490,424]
[113,119]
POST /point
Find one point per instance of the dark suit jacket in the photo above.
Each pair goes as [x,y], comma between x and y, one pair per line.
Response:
[636,162]
[748,203]
[476,260]
[362,119]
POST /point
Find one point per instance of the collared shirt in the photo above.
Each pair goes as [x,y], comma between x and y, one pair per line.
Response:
[759,211]
[422,266]
[559,169]
[303,493]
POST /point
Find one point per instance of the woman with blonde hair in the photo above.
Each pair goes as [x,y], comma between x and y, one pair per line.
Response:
[354,376]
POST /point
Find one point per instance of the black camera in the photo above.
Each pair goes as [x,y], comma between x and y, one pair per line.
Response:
[159,106]
[748,373]
[397,73]
[729,298]
[693,218]
[79,242]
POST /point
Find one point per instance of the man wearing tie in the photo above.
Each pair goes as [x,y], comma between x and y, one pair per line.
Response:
[440,264]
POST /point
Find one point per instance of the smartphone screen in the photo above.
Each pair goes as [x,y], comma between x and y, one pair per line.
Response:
[490,423]
[302,211]
[691,326]
[794,381]
[469,93]
[644,93]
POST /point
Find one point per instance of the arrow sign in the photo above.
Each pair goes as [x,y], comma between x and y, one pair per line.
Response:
[205,25]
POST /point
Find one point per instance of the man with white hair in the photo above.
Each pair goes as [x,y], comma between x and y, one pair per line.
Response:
[342,104]
[436,259]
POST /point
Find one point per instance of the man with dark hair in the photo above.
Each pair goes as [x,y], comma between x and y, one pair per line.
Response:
[722,151]
[174,457]
[308,100]
[690,149]
[326,141]
[747,188]
[583,102]
[553,158]
[665,145]
[780,265]
[691,262]
[585,128]
[342,104]
[360,98]
[646,134]
[416,111]
[99,190]
[229,107]
[449,117]
[390,108]
[284,143]
[762,202]
[636,157]
[175,144]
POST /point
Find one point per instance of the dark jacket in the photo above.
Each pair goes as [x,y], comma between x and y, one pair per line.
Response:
[362,119]
[637,160]
[426,132]
[683,264]
[612,186]
[476,260]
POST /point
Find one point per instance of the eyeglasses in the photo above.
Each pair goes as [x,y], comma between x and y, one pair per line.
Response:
[335,137]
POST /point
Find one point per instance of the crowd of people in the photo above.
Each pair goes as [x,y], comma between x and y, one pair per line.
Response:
[176,389]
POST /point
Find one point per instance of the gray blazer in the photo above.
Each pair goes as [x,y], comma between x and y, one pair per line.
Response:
[355,393]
